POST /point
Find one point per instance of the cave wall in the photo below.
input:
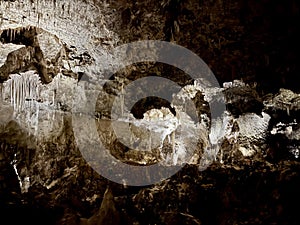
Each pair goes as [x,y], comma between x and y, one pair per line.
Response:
[255,41]
[43,171]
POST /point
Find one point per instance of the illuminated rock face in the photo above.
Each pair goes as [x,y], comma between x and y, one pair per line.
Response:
[49,64]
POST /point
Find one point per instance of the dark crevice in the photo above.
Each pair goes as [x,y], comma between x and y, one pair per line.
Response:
[146,104]
[19,36]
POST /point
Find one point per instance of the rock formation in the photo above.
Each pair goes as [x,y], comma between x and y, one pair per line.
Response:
[241,167]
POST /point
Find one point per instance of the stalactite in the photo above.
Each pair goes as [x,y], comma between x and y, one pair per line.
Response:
[23,88]
[12,34]
[2,97]
[38,20]
[122,100]
[17,95]
[9,34]
[37,120]
[11,91]
[14,92]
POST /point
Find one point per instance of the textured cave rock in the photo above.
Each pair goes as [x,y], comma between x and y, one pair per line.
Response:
[283,127]
[50,53]
[41,52]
